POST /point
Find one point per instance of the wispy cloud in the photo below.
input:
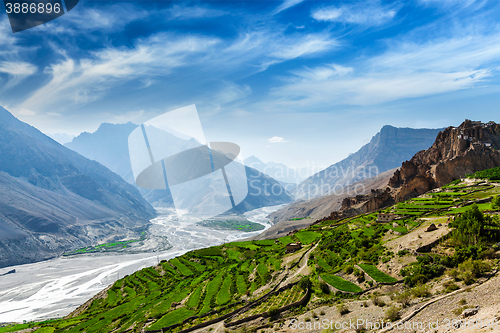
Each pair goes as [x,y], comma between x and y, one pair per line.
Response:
[285,5]
[17,71]
[367,13]
[194,12]
[277,139]
[407,70]
[450,3]
[108,17]
[152,59]
[88,79]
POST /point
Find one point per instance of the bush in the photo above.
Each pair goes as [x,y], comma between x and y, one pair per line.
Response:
[454,273]
[421,291]
[377,300]
[467,277]
[392,314]
[305,283]
[403,298]
[273,312]
[349,269]
[476,267]
[495,203]
[402,253]
[342,308]
[450,286]
[325,289]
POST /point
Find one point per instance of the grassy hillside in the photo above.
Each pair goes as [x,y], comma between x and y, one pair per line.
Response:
[340,261]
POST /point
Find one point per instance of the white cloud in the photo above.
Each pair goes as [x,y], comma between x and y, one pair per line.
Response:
[88,79]
[84,19]
[193,12]
[277,139]
[17,68]
[448,3]
[152,59]
[366,13]
[26,112]
[285,5]
[407,70]
[17,71]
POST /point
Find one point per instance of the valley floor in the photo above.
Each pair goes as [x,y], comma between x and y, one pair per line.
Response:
[54,288]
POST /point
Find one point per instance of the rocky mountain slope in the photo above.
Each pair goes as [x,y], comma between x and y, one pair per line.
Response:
[473,146]
[53,199]
[386,150]
[350,270]
[279,171]
[305,211]
[109,146]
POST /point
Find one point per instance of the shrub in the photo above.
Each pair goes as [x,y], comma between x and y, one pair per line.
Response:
[342,308]
[421,291]
[403,253]
[495,203]
[454,274]
[476,267]
[449,287]
[305,283]
[349,269]
[325,289]
[467,277]
[392,314]
[273,312]
[403,298]
[377,300]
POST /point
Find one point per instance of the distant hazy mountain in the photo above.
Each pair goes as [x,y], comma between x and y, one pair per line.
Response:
[278,171]
[386,150]
[109,146]
[62,138]
[53,199]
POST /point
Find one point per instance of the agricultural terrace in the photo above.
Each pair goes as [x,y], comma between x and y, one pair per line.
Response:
[340,259]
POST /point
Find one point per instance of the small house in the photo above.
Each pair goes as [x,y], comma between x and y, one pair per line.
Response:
[292,247]
[382,217]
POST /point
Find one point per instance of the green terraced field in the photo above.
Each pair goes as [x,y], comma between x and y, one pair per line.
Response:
[341,284]
[307,237]
[203,280]
[377,275]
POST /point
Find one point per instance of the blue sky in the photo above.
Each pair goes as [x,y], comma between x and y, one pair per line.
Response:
[297,82]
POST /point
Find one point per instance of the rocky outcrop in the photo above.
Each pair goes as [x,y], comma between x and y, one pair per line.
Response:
[386,151]
[457,151]
[471,147]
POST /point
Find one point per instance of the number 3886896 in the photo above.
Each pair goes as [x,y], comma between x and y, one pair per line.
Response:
[33,8]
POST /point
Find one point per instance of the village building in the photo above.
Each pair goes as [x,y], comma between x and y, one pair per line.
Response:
[382,217]
[292,247]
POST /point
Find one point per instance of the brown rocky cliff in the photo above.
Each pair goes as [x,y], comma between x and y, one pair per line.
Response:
[457,151]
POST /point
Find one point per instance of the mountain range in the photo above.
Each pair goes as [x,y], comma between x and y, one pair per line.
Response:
[279,171]
[386,150]
[53,199]
[457,151]
[368,169]
[109,146]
